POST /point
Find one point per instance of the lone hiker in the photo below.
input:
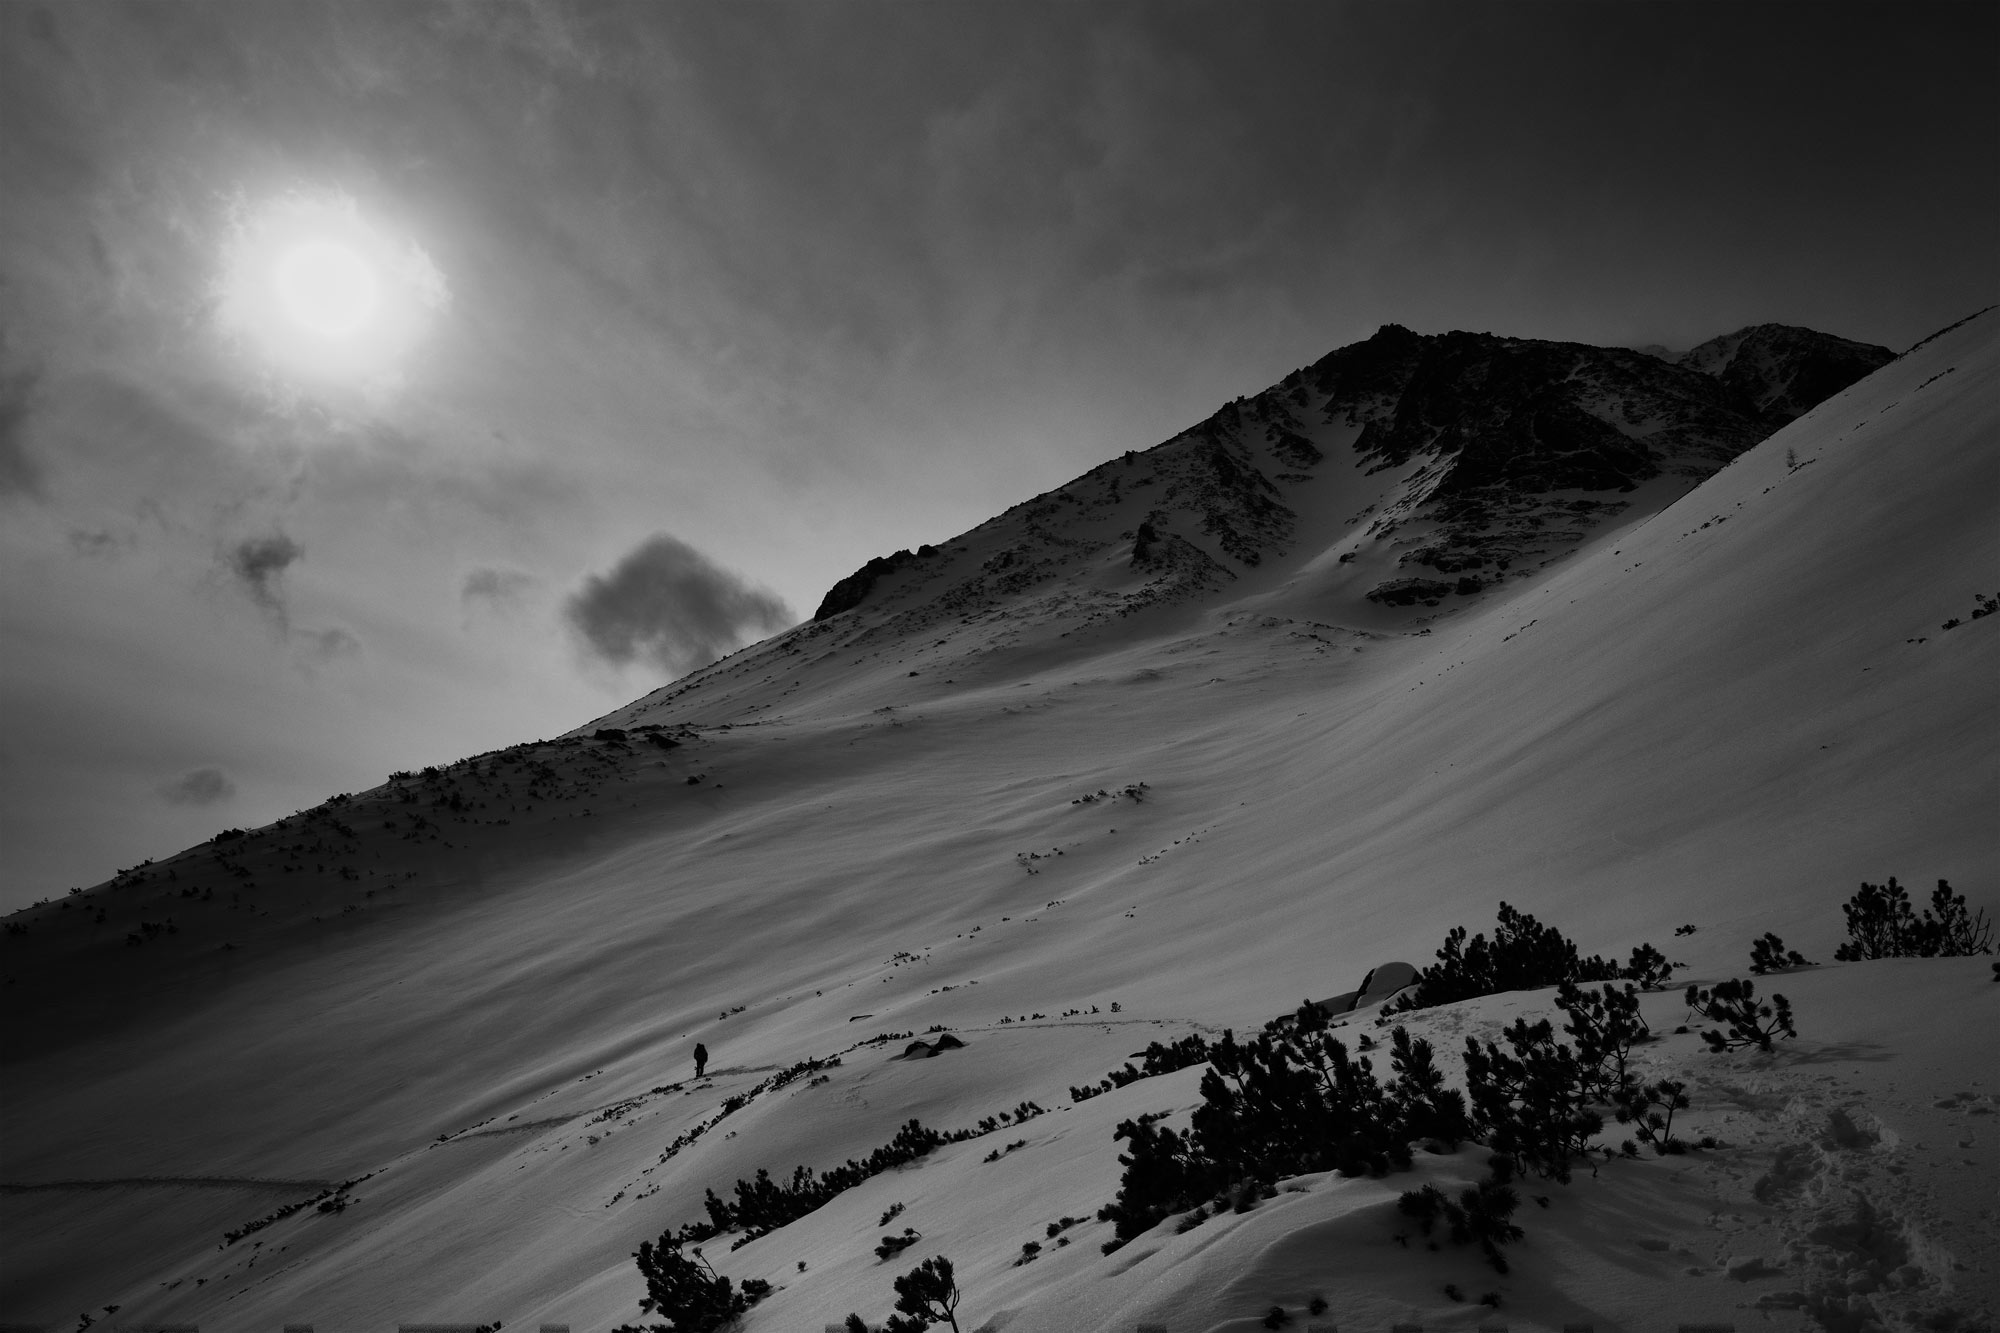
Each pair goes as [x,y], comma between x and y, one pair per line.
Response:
[700,1059]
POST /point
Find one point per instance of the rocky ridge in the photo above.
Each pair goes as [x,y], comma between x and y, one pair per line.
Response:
[1474,456]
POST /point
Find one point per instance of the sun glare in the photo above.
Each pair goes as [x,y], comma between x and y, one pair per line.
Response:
[327,288]
[323,296]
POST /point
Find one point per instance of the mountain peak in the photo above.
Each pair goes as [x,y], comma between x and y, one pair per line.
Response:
[1783,371]
[1352,484]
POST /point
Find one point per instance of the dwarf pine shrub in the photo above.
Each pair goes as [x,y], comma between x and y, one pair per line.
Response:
[1481,1215]
[1534,1102]
[892,1246]
[1751,1022]
[1429,1110]
[1164,1173]
[1294,1100]
[763,1205]
[1606,1026]
[687,1291]
[1650,968]
[1649,1108]
[1156,1059]
[927,1294]
[1880,924]
[1290,1101]
[1523,955]
[1769,954]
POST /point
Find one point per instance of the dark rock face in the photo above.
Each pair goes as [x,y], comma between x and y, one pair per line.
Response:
[1504,424]
[851,591]
[1781,372]
[1410,592]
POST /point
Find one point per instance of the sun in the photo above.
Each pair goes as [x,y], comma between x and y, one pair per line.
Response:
[323,296]
[327,288]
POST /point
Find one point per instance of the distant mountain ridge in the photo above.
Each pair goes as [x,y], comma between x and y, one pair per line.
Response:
[1466,454]
[1784,371]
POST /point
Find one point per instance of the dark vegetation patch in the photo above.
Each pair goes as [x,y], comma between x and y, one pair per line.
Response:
[1522,955]
[1881,924]
[1293,1101]
[763,1204]
[334,1199]
[1983,606]
[1155,1060]
[1769,954]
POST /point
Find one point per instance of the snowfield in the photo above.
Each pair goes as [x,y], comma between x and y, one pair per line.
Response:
[474,993]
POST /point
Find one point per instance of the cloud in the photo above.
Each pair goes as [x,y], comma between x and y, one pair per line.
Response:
[20,473]
[324,645]
[500,589]
[95,542]
[259,564]
[198,786]
[668,604]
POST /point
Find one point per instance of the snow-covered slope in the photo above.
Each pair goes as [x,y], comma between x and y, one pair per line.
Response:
[478,987]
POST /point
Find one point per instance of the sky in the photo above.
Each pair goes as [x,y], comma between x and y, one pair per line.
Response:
[382,383]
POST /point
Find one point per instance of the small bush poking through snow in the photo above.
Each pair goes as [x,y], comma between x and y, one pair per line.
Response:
[1650,968]
[1750,1022]
[688,1292]
[1649,1108]
[927,1294]
[892,1246]
[1983,606]
[1480,1215]
[1769,954]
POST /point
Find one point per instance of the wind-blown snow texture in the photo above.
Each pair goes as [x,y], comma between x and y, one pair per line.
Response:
[465,1002]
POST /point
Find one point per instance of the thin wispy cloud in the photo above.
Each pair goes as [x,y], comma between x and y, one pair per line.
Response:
[327,645]
[93,543]
[495,589]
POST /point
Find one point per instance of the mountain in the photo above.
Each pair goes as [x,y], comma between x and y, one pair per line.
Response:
[1781,371]
[1498,451]
[1401,472]
[1141,758]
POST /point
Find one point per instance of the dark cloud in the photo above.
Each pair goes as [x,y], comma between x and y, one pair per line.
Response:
[198,786]
[668,604]
[259,564]
[20,474]
[500,589]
